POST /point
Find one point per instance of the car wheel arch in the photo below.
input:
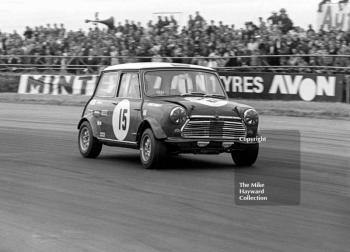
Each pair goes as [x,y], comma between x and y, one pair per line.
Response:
[154,126]
[93,126]
[82,120]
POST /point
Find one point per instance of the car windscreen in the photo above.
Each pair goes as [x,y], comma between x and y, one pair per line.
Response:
[182,83]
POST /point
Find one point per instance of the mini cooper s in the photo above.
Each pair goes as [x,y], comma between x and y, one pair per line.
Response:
[163,109]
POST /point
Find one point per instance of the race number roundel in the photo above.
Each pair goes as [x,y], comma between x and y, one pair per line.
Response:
[121,119]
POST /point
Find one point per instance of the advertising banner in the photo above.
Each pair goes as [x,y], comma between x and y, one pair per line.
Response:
[305,87]
[57,84]
[8,83]
[334,16]
[276,86]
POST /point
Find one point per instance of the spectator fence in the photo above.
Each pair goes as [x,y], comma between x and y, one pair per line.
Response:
[93,64]
[80,65]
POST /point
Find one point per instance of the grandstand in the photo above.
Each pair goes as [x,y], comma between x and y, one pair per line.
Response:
[271,44]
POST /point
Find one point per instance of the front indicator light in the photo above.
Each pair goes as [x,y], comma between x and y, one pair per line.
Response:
[202,144]
[227,144]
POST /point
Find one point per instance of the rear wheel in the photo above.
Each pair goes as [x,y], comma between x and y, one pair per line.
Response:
[152,151]
[89,146]
[246,157]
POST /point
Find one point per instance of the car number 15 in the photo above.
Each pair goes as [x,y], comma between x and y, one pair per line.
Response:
[121,119]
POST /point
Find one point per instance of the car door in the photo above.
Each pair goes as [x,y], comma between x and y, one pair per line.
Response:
[126,116]
[103,103]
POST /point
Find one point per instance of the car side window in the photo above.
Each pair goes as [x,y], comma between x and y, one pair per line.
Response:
[107,85]
[129,86]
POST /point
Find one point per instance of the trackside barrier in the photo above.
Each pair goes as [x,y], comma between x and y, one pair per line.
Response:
[284,86]
[57,84]
[347,89]
[269,86]
[9,83]
[74,64]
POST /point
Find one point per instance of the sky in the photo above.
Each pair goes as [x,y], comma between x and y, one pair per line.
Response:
[16,14]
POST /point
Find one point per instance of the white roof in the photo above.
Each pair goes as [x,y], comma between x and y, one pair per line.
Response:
[146,65]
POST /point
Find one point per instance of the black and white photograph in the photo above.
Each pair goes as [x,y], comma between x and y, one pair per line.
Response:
[174,126]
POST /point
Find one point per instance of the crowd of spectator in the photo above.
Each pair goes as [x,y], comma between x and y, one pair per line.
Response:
[203,42]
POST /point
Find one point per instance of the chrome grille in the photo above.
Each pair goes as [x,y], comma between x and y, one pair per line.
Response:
[218,128]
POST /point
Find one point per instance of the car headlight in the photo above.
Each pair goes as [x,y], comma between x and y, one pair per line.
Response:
[178,115]
[251,117]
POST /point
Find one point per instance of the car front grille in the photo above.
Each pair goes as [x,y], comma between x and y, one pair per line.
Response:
[214,128]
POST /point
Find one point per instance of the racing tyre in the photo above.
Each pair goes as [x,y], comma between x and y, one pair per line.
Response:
[89,146]
[246,157]
[152,151]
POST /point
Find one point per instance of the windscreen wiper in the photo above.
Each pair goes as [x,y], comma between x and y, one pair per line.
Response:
[215,95]
[193,94]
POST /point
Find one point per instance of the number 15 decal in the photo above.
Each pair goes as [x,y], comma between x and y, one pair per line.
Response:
[121,119]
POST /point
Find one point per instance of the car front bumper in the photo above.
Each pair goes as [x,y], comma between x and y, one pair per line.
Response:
[206,146]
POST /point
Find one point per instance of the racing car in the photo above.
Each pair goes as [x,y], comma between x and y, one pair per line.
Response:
[163,109]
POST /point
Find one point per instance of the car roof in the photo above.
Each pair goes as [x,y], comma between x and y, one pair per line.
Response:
[149,65]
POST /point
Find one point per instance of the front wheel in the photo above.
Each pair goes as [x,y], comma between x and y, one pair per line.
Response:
[152,151]
[246,157]
[89,146]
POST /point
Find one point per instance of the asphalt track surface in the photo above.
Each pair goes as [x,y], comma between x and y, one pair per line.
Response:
[52,199]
